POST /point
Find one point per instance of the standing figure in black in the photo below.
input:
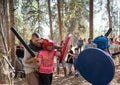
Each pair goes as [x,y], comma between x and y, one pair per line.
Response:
[80,44]
[20,54]
[70,60]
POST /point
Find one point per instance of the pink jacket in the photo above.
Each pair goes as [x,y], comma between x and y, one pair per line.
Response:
[46,59]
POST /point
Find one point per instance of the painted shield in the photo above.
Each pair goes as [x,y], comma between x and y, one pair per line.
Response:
[96,66]
[65,47]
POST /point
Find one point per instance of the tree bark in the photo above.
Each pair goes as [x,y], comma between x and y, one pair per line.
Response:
[4,68]
[119,16]
[59,20]
[62,18]
[12,37]
[50,19]
[91,19]
[38,3]
[109,17]
[6,23]
[109,14]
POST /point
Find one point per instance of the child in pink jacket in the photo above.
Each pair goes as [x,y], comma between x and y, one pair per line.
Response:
[46,61]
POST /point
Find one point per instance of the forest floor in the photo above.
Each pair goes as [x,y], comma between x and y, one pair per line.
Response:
[71,80]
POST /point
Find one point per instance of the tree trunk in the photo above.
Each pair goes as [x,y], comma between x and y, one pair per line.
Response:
[59,20]
[109,14]
[91,19]
[50,19]
[4,68]
[6,23]
[62,18]
[12,37]
[119,16]
[38,3]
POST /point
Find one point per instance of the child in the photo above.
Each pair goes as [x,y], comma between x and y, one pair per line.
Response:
[63,62]
[70,60]
[74,56]
[46,61]
[75,60]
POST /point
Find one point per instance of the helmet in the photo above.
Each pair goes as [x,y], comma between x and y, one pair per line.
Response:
[102,42]
[47,44]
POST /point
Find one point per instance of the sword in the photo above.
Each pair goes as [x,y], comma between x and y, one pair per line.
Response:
[108,32]
[23,42]
[116,53]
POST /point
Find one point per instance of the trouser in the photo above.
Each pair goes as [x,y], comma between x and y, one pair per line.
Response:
[70,68]
[80,48]
[21,62]
[46,79]
[33,78]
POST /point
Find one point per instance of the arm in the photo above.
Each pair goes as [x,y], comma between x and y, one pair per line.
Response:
[72,55]
[57,53]
[39,58]
[70,58]
[38,62]
[27,58]
[58,47]
[31,60]
[116,50]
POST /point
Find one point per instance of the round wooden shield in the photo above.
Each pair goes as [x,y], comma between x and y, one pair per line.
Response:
[65,47]
[96,66]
